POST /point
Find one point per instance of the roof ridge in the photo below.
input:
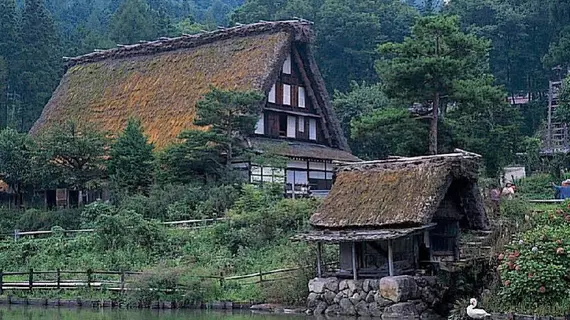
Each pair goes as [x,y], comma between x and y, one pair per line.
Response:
[301,30]
[457,154]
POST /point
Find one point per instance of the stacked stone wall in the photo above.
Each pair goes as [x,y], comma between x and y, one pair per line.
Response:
[391,298]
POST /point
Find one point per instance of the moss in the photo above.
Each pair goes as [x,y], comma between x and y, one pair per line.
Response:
[161,89]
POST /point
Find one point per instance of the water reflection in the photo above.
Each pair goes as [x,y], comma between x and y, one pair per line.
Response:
[37,313]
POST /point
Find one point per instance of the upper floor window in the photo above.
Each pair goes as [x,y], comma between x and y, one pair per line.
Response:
[312,129]
[287,94]
[287,65]
[272,95]
[301,98]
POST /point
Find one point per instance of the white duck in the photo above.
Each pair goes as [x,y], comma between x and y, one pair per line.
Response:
[476,313]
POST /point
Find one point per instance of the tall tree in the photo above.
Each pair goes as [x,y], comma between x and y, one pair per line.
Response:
[232,115]
[71,156]
[40,63]
[135,20]
[131,163]
[8,52]
[16,161]
[424,66]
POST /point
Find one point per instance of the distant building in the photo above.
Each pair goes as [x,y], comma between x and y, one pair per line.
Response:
[159,82]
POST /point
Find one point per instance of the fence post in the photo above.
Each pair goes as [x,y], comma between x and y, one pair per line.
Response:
[16,235]
[31,279]
[89,271]
[58,278]
[122,281]
[1,282]
[222,279]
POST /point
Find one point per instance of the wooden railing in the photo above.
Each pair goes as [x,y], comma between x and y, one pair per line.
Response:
[120,282]
[183,224]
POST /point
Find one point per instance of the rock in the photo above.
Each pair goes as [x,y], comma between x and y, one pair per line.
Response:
[369,297]
[373,284]
[329,297]
[398,288]
[399,311]
[421,281]
[343,285]
[347,308]
[430,315]
[362,309]
[431,281]
[355,298]
[333,310]
[321,307]
[420,306]
[375,309]
[427,296]
[318,285]
[381,301]
[365,285]
[312,300]
[354,285]
[338,296]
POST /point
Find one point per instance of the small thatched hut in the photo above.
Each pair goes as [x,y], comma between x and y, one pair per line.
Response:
[389,216]
[159,82]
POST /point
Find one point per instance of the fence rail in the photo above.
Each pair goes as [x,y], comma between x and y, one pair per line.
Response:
[183,224]
[91,279]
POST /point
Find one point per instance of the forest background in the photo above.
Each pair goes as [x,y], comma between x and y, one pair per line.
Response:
[518,44]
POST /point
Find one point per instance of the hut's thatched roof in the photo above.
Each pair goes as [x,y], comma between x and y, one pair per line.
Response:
[160,82]
[401,192]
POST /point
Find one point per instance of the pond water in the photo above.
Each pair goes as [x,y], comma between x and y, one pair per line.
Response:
[35,313]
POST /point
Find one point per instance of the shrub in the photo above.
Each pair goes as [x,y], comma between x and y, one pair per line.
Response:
[92,211]
[534,268]
[34,219]
[537,186]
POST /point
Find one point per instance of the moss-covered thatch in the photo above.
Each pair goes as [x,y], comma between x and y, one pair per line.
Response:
[160,82]
[404,192]
[301,149]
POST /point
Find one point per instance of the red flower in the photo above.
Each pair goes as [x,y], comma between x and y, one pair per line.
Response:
[511,266]
[560,251]
[501,257]
[507,283]
[559,211]
[517,254]
[517,268]
[542,289]
[559,241]
[530,275]
[512,257]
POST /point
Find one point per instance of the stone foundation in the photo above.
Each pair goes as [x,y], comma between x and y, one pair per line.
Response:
[400,297]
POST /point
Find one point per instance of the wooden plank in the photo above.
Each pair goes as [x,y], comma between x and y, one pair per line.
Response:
[390,259]
[354,271]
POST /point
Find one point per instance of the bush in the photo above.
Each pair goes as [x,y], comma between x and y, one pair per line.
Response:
[34,219]
[175,285]
[128,229]
[537,186]
[92,211]
[534,268]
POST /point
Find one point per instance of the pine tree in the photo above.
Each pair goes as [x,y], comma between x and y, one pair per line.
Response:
[135,20]
[40,65]
[131,166]
[8,53]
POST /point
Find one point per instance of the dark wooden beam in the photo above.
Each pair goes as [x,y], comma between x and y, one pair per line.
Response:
[311,93]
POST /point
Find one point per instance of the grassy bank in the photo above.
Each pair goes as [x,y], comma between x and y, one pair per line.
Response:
[254,237]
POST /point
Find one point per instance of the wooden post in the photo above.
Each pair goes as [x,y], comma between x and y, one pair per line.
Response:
[354,272]
[319,252]
[122,281]
[428,244]
[31,279]
[89,271]
[222,279]
[16,234]
[1,282]
[58,278]
[390,259]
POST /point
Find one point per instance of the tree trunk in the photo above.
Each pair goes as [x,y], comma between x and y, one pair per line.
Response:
[433,126]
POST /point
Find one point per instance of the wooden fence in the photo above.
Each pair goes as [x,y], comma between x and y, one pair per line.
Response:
[184,224]
[119,281]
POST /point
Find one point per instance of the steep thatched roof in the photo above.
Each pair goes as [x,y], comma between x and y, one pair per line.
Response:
[160,82]
[402,192]
[301,149]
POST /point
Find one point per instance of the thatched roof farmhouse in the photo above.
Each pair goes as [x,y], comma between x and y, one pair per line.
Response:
[159,82]
[390,216]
